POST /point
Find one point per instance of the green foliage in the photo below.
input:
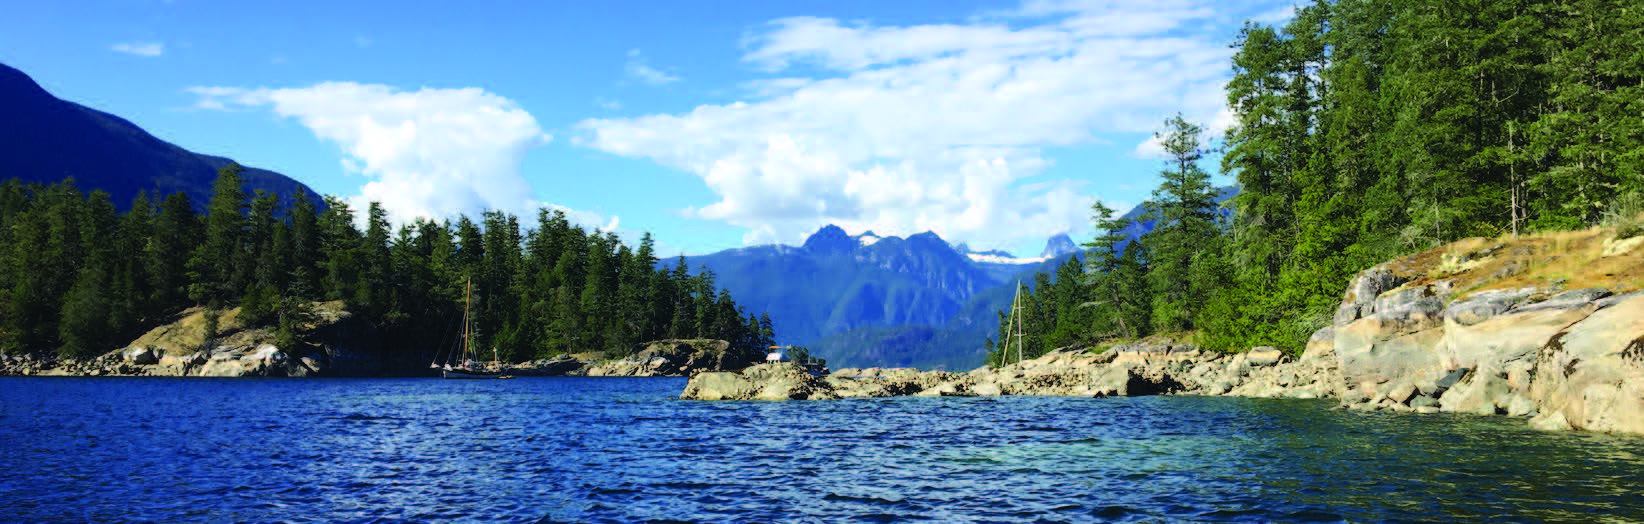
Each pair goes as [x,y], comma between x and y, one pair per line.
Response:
[212,318]
[293,313]
[1183,274]
[78,278]
[1625,216]
[1365,130]
[260,306]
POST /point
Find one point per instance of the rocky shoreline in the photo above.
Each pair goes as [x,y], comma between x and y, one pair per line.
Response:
[342,345]
[1129,370]
[1441,331]
[662,358]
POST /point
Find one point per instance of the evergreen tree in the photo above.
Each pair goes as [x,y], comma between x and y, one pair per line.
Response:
[1115,303]
[219,263]
[1185,202]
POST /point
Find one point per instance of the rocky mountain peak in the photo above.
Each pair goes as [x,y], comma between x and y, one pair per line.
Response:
[1059,245]
[830,239]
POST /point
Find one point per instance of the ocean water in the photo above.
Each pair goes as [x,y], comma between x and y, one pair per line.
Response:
[625,450]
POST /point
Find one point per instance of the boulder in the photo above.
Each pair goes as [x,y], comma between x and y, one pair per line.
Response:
[259,361]
[1362,293]
[1592,374]
[1264,356]
[772,381]
[1321,348]
[1445,382]
[1550,421]
[1483,392]
[141,356]
[986,389]
[1120,381]
[1401,391]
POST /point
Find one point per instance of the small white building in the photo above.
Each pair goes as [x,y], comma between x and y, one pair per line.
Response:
[776,355]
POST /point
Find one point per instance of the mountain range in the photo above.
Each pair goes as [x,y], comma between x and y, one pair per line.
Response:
[870,300]
[863,300]
[46,139]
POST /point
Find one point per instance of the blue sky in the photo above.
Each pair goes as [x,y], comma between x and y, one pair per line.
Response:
[711,124]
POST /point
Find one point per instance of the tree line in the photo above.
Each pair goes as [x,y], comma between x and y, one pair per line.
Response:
[1365,130]
[79,278]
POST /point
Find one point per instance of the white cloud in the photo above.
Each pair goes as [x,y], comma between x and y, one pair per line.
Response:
[1152,148]
[1277,15]
[638,69]
[902,129]
[426,153]
[139,48]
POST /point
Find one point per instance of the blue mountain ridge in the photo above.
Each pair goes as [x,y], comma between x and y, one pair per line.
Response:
[46,139]
[865,300]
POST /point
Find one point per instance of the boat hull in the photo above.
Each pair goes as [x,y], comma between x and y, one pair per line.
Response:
[453,373]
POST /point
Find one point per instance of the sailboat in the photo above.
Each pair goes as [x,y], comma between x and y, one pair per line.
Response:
[466,366]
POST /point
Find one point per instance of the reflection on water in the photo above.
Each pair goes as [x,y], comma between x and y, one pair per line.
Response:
[623,450]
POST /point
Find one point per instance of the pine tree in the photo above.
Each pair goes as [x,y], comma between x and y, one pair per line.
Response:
[220,261]
[1186,203]
[1105,270]
[176,233]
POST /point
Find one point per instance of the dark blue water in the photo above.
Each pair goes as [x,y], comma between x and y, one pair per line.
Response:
[623,450]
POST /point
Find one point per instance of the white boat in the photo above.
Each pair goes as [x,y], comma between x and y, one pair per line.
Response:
[780,354]
[466,372]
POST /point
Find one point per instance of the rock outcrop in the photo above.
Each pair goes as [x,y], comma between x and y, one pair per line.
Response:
[1482,327]
[673,358]
[773,381]
[549,367]
[662,358]
[334,343]
[1407,339]
[1133,370]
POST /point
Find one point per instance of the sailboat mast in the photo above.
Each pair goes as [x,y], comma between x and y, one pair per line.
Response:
[1018,314]
[467,296]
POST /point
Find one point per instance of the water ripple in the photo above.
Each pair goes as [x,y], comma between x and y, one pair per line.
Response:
[616,450]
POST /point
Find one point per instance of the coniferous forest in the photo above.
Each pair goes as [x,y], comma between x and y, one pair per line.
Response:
[1364,130]
[80,278]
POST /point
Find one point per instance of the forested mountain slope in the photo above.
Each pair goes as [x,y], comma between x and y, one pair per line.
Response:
[44,139]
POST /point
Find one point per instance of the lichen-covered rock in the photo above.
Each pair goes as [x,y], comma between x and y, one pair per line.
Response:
[1569,359]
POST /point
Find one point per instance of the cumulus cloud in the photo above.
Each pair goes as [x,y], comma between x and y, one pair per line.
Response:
[902,129]
[427,153]
[639,69]
[139,48]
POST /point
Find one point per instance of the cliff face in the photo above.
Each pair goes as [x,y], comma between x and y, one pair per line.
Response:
[1546,327]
